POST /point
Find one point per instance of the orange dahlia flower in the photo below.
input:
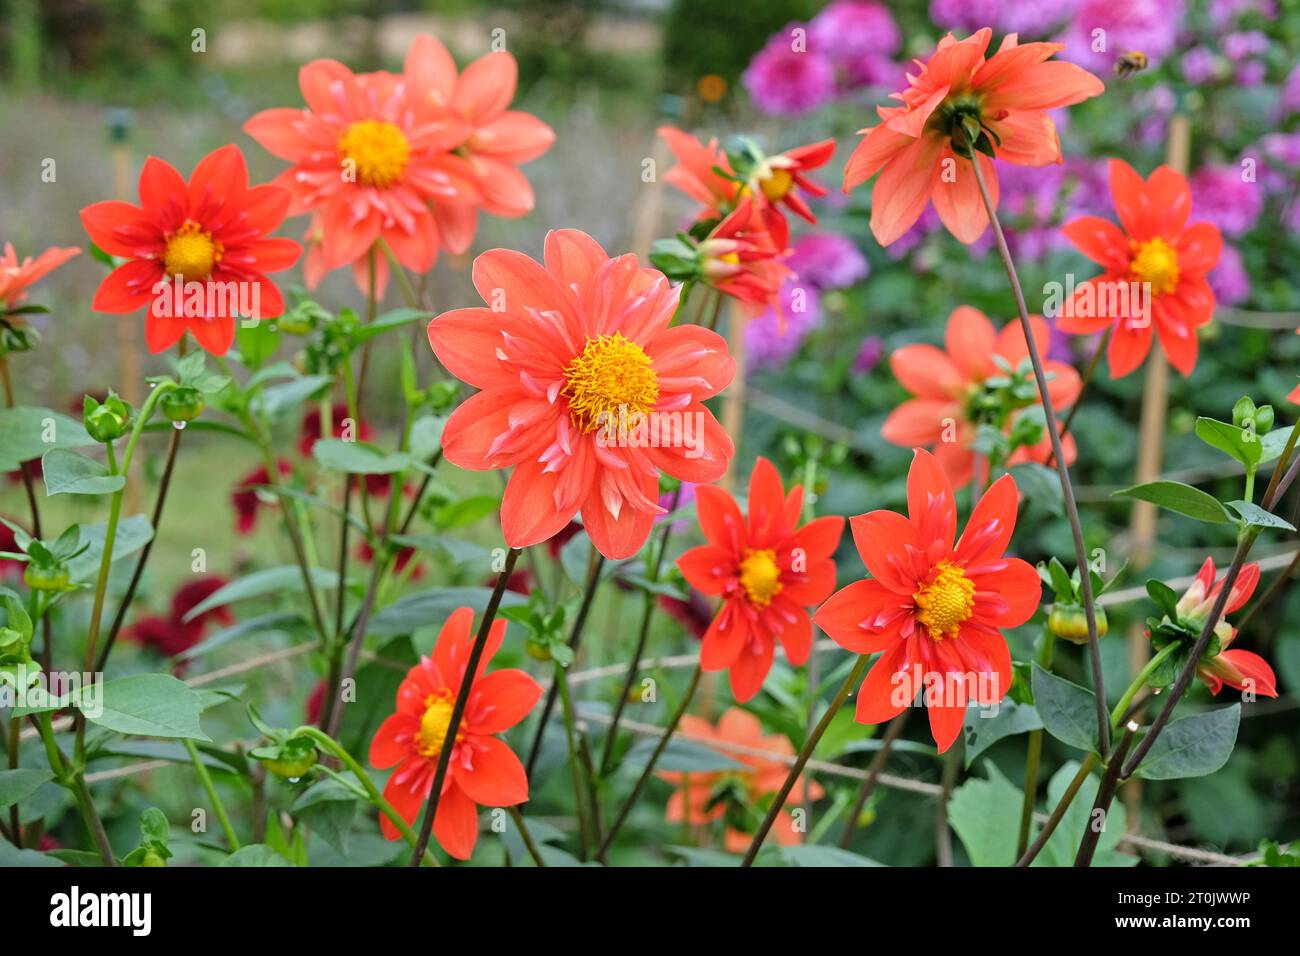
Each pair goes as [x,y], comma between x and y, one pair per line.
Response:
[483,769]
[586,391]
[212,230]
[735,795]
[767,570]
[1153,248]
[999,103]
[16,277]
[934,611]
[371,163]
[498,139]
[948,384]
[743,257]
[703,172]
[1242,670]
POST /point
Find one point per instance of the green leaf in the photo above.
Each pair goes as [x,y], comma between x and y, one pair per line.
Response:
[255,854]
[18,785]
[329,809]
[1165,598]
[145,705]
[256,343]
[1274,443]
[1063,845]
[681,755]
[432,607]
[389,321]
[275,624]
[1256,517]
[985,815]
[983,730]
[467,511]
[260,583]
[1184,499]
[812,854]
[281,398]
[358,458]
[68,473]
[133,533]
[1193,746]
[28,432]
[1068,711]
[1230,440]
[458,550]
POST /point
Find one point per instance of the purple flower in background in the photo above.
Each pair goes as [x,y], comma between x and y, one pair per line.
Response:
[827,260]
[1029,195]
[1228,279]
[1200,65]
[684,498]
[859,36]
[1250,75]
[766,343]
[1147,25]
[1091,193]
[870,353]
[967,15]
[1239,46]
[786,78]
[1291,92]
[1224,13]
[1281,156]
[1034,18]
[1221,196]
[909,240]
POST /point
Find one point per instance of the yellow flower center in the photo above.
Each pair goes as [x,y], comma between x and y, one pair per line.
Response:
[760,576]
[191,252]
[613,373]
[777,185]
[376,151]
[434,724]
[1154,261]
[947,601]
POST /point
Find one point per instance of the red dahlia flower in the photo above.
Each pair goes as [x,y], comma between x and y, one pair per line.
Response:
[17,277]
[1153,246]
[948,383]
[1005,97]
[935,612]
[212,230]
[587,392]
[1242,670]
[767,570]
[246,498]
[483,770]
[733,794]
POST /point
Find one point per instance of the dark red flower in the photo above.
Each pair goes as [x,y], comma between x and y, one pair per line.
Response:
[245,500]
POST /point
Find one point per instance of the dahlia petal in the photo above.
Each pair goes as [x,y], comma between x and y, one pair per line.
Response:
[487,86]
[969,339]
[500,700]
[706,568]
[850,617]
[391,743]
[927,372]
[1100,240]
[161,332]
[1128,348]
[930,503]
[919,422]
[1045,86]
[991,524]
[1198,247]
[430,71]
[456,825]
[119,228]
[726,638]
[466,343]
[889,687]
[514,136]
[878,147]
[128,287]
[1019,587]
[720,519]
[405,801]
[529,514]
[214,334]
[959,203]
[904,188]
[496,777]
[750,669]
[1256,672]
[886,540]
[515,283]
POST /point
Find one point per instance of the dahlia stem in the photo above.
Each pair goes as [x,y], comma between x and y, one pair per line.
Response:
[526,835]
[607,757]
[1062,806]
[105,561]
[1083,387]
[595,562]
[458,709]
[28,484]
[1105,793]
[1034,753]
[1067,489]
[942,833]
[120,617]
[566,704]
[210,788]
[805,754]
[649,768]
[337,750]
[874,769]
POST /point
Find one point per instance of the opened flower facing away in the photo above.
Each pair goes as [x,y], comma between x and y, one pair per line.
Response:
[958,105]
[1242,670]
[934,611]
[586,391]
[767,569]
[1155,270]
[207,238]
[979,377]
[483,769]
[17,275]
[735,796]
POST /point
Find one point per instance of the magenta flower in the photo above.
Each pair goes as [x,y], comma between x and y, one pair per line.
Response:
[772,338]
[827,260]
[859,36]
[787,77]
[1147,25]
[1221,196]
[1229,279]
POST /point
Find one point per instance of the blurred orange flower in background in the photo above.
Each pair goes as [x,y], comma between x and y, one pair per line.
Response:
[17,276]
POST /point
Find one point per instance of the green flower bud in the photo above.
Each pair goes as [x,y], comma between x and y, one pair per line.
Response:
[183,404]
[538,650]
[1263,419]
[1069,622]
[12,643]
[290,760]
[1244,409]
[47,577]
[107,421]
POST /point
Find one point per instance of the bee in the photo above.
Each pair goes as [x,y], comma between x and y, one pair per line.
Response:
[1131,62]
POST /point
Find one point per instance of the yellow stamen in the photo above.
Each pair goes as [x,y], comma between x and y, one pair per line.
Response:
[760,576]
[376,151]
[1156,262]
[947,601]
[777,185]
[434,724]
[612,374]
[191,252]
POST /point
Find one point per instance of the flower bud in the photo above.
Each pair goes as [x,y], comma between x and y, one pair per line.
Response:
[1244,409]
[107,421]
[47,577]
[1263,419]
[1069,622]
[183,404]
